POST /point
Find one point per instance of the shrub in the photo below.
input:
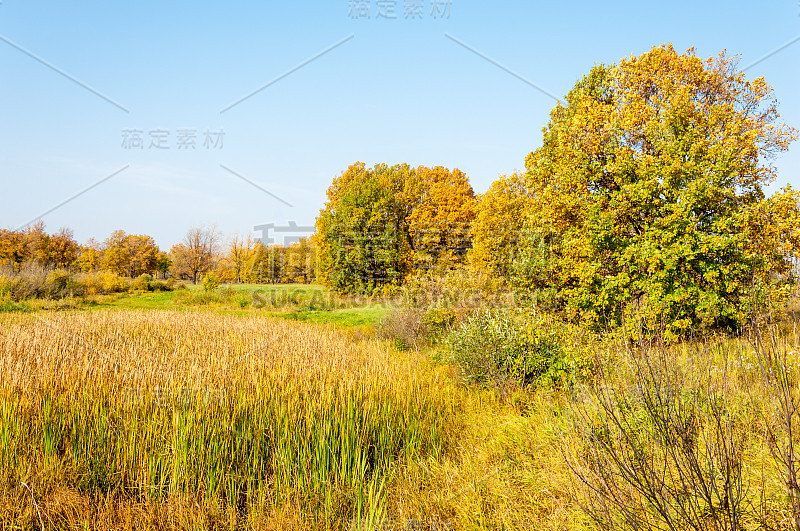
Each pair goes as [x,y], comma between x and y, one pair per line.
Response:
[461,291]
[432,305]
[34,281]
[7,305]
[6,285]
[439,319]
[210,282]
[142,283]
[29,282]
[110,282]
[660,452]
[160,285]
[494,348]
[226,292]
[56,283]
[405,327]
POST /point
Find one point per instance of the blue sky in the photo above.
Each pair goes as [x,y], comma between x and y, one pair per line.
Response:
[393,90]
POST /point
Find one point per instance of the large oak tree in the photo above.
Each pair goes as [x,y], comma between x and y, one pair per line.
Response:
[646,190]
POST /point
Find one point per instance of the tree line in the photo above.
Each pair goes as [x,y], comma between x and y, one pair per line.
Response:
[203,251]
[647,197]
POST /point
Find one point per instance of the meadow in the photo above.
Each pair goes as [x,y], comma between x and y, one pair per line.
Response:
[197,419]
[142,411]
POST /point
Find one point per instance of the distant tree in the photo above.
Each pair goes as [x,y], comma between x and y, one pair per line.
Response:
[499,221]
[143,254]
[267,264]
[200,246]
[240,250]
[362,232]
[163,263]
[273,264]
[299,261]
[116,255]
[62,249]
[34,244]
[37,243]
[89,256]
[13,249]
[179,262]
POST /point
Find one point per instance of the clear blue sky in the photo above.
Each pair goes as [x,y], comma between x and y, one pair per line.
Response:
[399,90]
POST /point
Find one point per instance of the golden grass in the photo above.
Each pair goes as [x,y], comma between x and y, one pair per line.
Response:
[235,421]
[193,420]
[508,468]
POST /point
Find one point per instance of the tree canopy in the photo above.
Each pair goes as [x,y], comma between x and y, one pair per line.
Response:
[381,224]
[648,193]
[499,221]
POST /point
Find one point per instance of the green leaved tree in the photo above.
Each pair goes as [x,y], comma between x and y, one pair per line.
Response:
[648,195]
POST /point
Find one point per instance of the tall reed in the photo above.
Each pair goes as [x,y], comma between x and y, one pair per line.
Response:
[250,416]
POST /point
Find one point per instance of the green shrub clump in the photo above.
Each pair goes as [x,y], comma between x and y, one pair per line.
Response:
[210,282]
[500,349]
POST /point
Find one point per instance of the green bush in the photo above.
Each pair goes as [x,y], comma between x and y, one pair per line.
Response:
[6,285]
[210,282]
[496,348]
[142,283]
[160,285]
[7,305]
[431,305]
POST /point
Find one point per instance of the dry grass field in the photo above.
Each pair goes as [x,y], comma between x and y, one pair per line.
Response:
[156,419]
[129,419]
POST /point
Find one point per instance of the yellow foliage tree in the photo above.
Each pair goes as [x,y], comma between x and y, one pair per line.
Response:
[381,223]
[443,207]
[499,221]
[648,194]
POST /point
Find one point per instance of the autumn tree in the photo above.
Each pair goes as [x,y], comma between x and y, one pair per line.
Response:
[362,232]
[37,243]
[116,255]
[163,263]
[299,261]
[196,254]
[62,249]
[129,255]
[381,223]
[646,188]
[13,251]
[499,221]
[33,243]
[143,254]
[89,256]
[265,265]
[233,265]
[439,223]
[179,262]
